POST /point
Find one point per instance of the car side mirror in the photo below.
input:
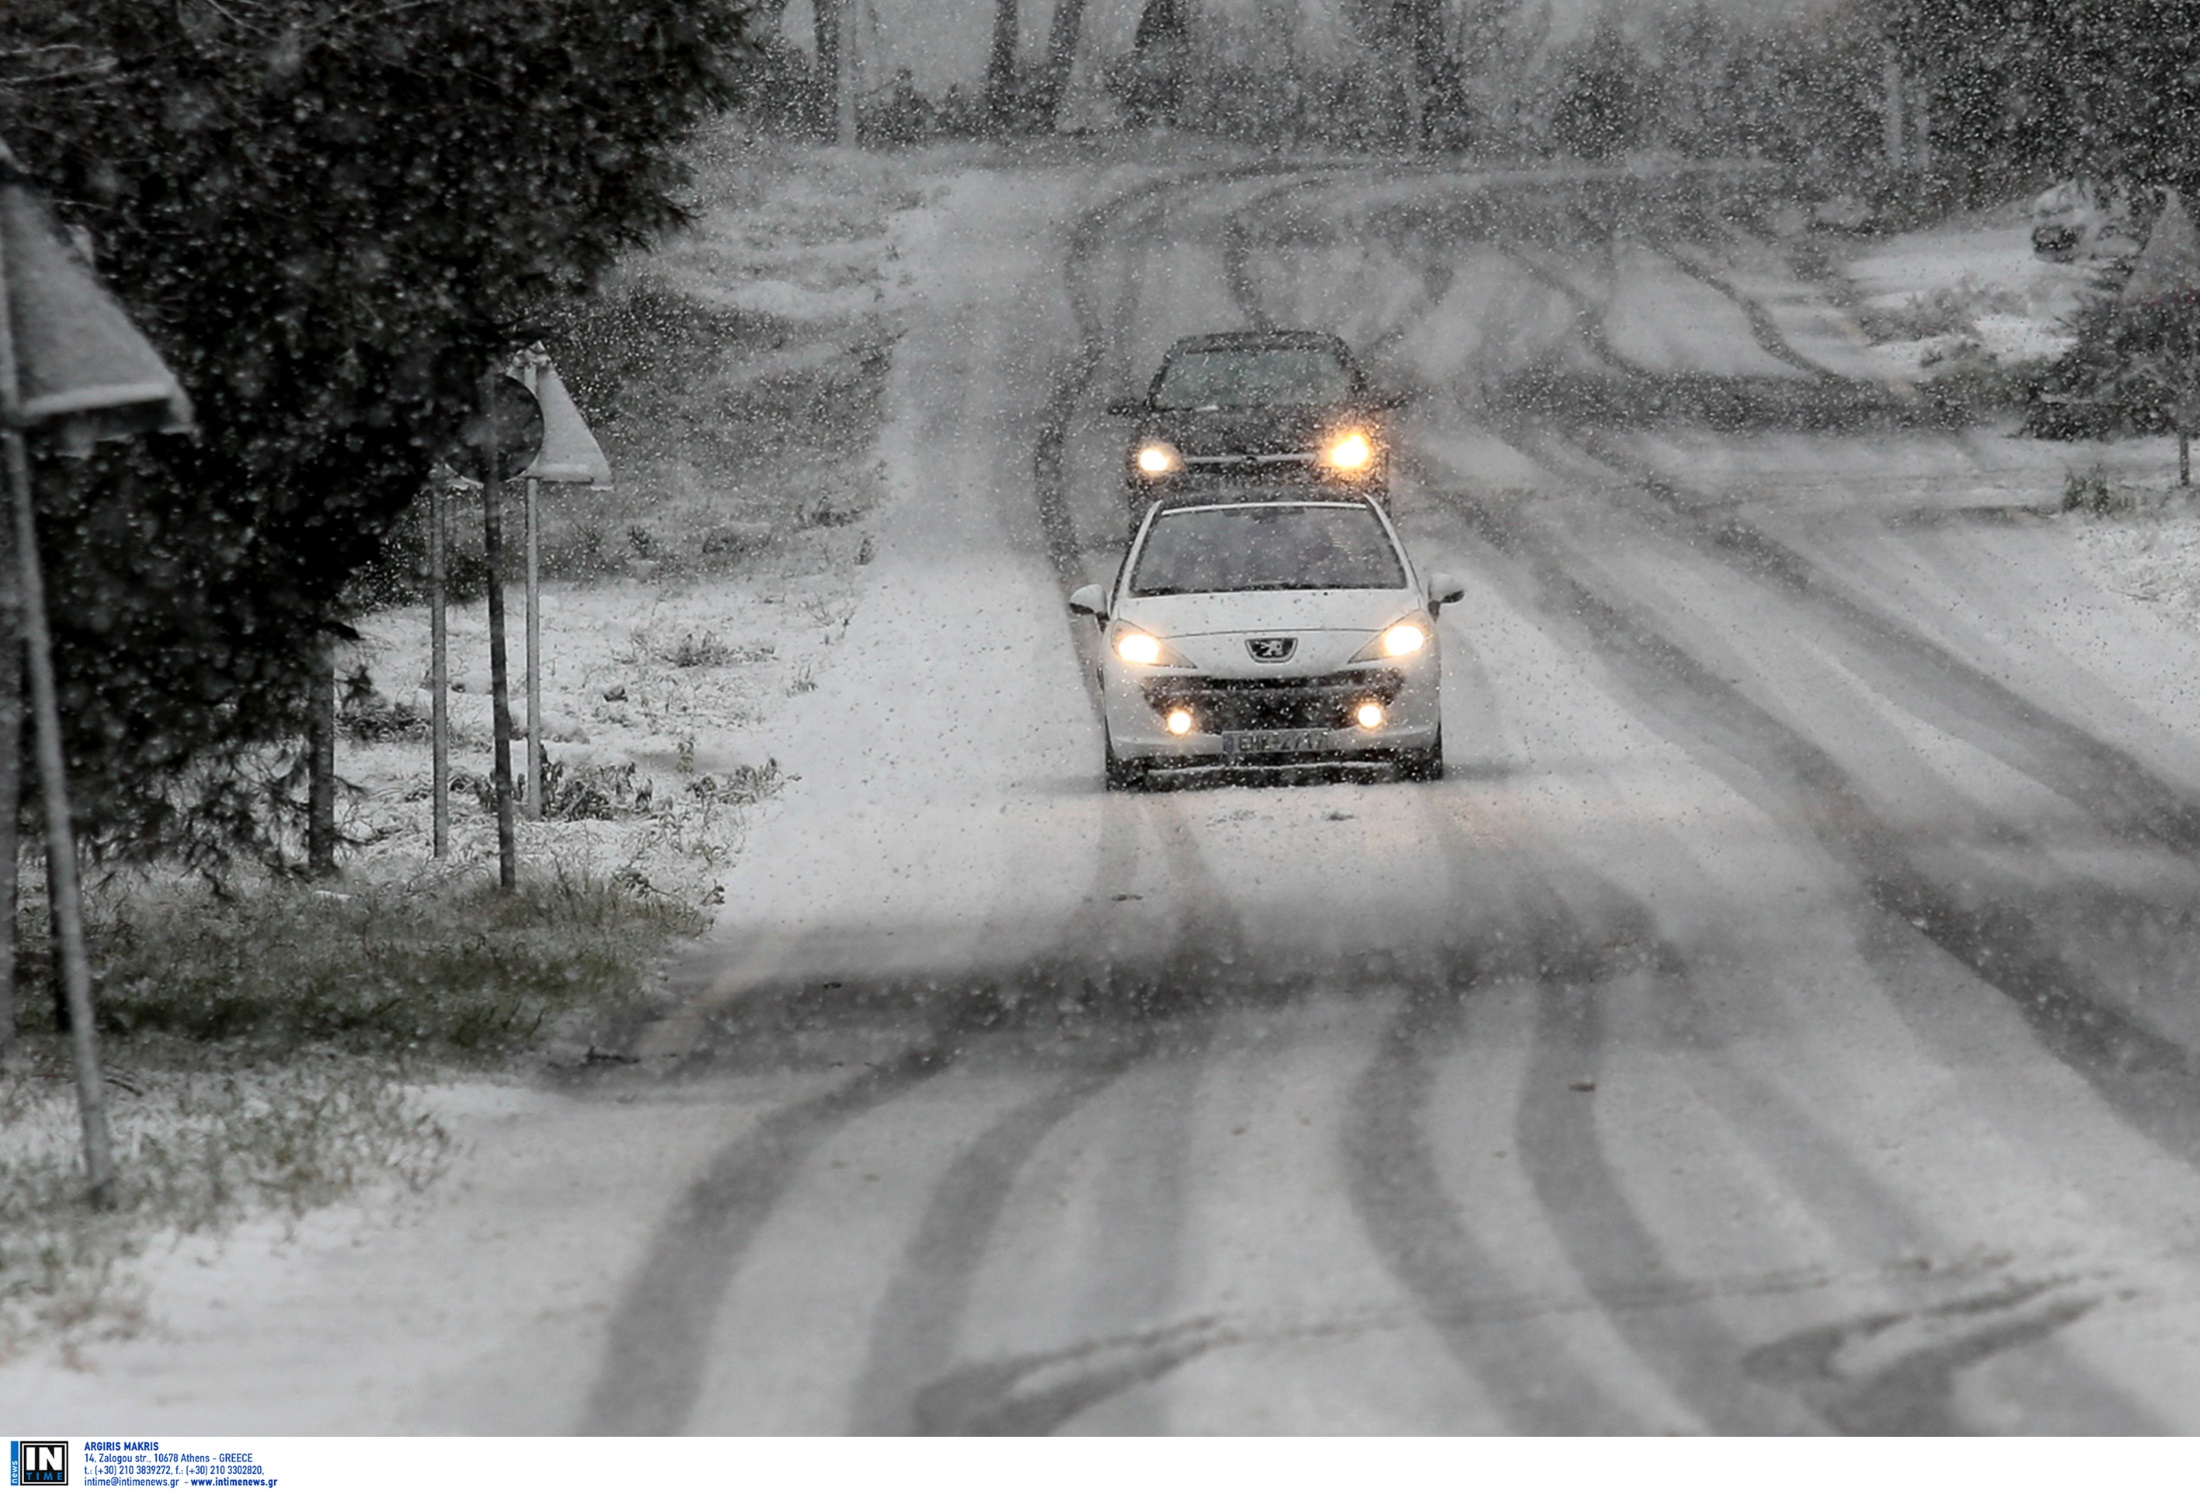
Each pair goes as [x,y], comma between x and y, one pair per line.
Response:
[1090,600]
[1127,409]
[1443,590]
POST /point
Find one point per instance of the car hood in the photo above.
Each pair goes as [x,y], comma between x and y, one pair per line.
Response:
[1258,432]
[1210,630]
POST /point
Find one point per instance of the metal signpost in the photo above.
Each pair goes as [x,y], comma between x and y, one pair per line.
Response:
[439,665]
[73,368]
[569,454]
[506,434]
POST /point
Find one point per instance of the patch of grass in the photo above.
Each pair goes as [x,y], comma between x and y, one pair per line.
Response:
[260,1045]
[607,790]
[2091,491]
[1944,311]
[196,1150]
[740,785]
[693,650]
[441,968]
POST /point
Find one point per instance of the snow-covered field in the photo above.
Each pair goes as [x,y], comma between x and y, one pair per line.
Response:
[1970,291]
[722,582]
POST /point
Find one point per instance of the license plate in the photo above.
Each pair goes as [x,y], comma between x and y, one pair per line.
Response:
[1272,742]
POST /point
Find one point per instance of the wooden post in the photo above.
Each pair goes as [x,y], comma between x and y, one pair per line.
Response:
[73,970]
[844,72]
[439,666]
[321,769]
[534,652]
[1892,134]
[500,683]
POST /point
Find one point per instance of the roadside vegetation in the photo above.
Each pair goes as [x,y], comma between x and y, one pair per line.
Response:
[267,1052]
[275,1043]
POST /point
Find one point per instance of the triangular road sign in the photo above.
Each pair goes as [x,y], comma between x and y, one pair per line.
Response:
[69,355]
[569,451]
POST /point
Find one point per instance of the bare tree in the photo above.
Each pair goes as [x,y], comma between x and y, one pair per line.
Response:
[1000,64]
[825,31]
[1062,38]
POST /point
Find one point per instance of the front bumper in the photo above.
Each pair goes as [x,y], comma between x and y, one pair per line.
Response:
[1268,721]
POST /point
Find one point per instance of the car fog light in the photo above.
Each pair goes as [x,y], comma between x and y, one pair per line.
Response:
[1179,721]
[1370,716]
[1158,458]
[1351,452]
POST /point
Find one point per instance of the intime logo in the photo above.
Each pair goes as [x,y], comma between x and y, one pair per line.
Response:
[38,1463]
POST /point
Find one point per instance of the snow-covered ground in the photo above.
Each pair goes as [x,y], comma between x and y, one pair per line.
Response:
[1970,292]
[1969,289]
[1718,1049]
[723,585]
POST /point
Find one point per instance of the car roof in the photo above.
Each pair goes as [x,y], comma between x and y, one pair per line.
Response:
[1221,341]
[1253,496]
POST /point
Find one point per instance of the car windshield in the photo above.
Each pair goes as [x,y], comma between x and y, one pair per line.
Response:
[1268,547]
[1245,377]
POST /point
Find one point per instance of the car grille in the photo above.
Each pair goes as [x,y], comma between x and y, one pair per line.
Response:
[1322,703]
[1239,460]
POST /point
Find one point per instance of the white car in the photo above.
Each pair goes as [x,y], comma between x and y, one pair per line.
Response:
[1264,630]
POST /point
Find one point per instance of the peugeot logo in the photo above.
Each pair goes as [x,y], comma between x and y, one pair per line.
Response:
[1271,649]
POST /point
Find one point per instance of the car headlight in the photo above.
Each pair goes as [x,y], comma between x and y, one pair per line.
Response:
[1351,452]
[1401,639]
[1143,649]
[1157,458]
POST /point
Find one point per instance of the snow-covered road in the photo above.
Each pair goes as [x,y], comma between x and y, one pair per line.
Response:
[1782,1020]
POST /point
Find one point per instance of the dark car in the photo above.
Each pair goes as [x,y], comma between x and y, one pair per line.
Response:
[1264,405]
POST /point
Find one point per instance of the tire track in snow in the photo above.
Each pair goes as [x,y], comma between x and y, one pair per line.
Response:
[1419,1232]
[1617,1255]
[654,1362]
[2121,792]
[1766,331]
[1591,1214]
[1168,1013]
[1555,1133]
[1419,1229]
[1073,385]
[2148,1079]
[919,1322]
